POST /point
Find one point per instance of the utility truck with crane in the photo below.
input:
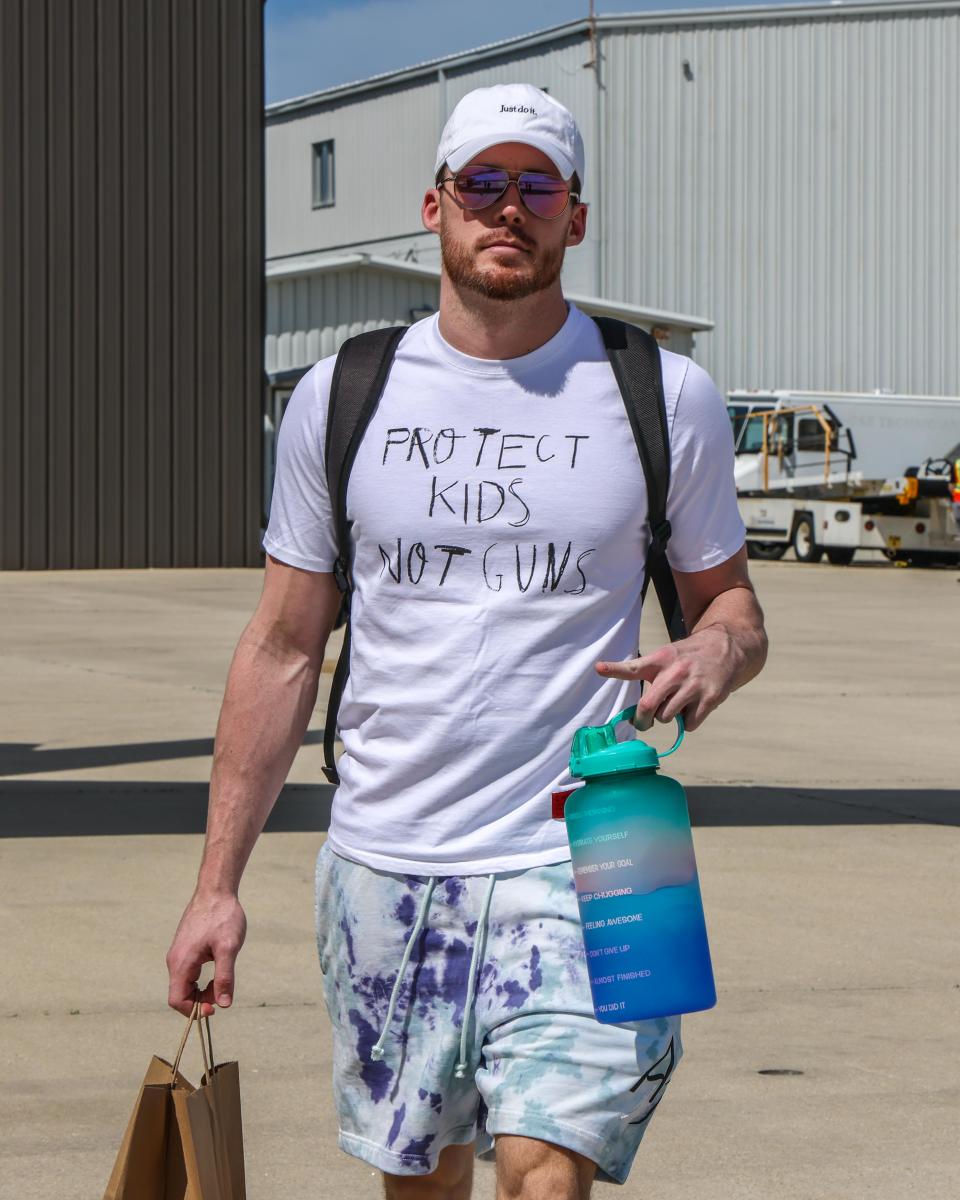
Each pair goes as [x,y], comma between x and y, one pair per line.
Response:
[830,473]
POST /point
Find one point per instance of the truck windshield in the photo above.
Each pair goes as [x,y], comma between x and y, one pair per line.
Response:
[747,434]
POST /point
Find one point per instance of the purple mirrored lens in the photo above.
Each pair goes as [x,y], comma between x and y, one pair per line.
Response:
[543,195]
[477,189]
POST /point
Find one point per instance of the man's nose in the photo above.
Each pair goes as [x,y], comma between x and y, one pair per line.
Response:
[511,207]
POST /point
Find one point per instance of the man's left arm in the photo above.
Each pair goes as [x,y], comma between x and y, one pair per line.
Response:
[726,647]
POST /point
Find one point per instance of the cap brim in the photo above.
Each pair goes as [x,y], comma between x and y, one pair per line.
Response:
[469,150]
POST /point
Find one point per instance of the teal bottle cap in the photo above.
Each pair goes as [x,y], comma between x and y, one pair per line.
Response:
[596,750]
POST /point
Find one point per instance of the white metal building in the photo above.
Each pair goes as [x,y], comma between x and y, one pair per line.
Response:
[791,174]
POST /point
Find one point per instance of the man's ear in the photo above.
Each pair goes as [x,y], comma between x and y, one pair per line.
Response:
[430,210]
[577,229]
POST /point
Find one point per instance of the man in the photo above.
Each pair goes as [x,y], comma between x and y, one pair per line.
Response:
[499,535]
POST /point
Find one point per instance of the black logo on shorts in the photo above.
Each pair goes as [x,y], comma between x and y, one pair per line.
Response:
[659,1074]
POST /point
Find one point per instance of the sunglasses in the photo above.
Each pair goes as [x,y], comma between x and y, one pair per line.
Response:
[478,187]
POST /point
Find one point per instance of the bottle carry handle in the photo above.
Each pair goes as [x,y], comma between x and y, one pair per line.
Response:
[629,713]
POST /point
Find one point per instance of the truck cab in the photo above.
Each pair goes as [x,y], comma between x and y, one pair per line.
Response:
[778,443]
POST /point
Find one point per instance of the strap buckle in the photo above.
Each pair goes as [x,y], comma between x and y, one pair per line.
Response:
[660,536]
[340,576]
[332,775]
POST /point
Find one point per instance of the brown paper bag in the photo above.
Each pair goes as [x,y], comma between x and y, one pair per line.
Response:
[144,1160]
[182,1142]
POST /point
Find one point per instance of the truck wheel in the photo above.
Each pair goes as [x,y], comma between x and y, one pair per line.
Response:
[767,550]
[805,541]
[841,556]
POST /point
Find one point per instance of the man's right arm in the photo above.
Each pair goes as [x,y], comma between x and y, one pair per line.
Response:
[270,696]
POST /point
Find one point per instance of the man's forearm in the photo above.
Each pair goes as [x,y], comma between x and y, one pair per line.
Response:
[271,692]
[735,615]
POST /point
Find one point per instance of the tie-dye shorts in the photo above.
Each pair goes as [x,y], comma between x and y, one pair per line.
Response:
[538,1062]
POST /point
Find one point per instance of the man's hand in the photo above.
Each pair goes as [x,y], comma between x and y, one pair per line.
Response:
[212,929]
[691,677]
[726,648]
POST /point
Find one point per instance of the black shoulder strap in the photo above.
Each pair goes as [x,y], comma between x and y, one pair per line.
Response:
[635,358]
[358,380]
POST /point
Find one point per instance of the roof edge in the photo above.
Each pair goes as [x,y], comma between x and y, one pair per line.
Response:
[611,21]
[318,265]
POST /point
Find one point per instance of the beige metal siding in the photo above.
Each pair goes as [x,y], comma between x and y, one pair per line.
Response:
[383,160]
[309,317]
[801,189]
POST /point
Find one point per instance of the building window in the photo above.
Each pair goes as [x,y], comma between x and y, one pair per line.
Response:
[323,184]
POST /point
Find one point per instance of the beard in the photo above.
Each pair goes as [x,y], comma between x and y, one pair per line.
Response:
[500,281]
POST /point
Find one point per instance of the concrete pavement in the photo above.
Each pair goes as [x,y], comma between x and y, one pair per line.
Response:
[826,805]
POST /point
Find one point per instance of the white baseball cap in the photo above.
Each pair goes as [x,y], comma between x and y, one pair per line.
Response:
[511,112]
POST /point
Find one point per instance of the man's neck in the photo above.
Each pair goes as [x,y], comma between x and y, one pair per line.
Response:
[499,329]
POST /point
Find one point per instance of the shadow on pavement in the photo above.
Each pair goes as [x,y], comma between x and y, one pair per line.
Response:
[61,808]
[90,808]
[24,758]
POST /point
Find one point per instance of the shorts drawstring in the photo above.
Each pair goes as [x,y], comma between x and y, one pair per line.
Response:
[377,1053]
[461,1067]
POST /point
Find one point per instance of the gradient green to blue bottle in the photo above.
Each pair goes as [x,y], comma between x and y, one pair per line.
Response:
[639,894]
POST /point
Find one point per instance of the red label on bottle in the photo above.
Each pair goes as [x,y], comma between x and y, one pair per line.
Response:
[558,800]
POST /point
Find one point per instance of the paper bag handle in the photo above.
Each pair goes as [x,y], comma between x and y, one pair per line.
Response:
[208,1063]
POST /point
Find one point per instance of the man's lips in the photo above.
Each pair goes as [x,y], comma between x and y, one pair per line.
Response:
[505,245]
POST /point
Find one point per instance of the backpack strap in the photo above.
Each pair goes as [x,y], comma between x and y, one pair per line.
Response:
[635,358]
[358,381]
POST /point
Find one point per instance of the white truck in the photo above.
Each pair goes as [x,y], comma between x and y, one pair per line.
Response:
[834,472]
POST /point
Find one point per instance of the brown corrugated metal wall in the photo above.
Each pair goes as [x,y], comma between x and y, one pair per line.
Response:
[131,282]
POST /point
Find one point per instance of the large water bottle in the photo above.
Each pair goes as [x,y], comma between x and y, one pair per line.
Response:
[636,877]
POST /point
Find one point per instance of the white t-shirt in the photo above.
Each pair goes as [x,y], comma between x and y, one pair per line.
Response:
[499,530]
